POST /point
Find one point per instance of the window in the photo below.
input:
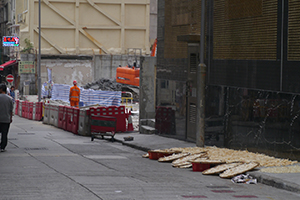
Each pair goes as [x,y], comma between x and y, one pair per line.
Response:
[164,84]
[25,5]
[5,15]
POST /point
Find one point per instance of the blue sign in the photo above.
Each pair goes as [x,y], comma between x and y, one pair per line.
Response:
[10,41]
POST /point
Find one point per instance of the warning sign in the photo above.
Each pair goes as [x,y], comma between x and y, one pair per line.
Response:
[26,67]
[10,78]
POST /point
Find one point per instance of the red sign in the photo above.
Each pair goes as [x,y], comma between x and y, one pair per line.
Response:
[10,78]
[9,41]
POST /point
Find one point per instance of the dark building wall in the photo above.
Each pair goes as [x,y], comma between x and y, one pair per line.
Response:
[253,58]
[253,44]
[175,18]
[246,44]
[258,50]
[291,62]
[293,30]
[245,30]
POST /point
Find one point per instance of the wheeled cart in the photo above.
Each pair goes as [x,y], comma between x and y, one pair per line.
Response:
[103,126]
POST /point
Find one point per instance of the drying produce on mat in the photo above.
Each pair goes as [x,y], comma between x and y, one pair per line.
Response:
[283,169]
[220,168]
[229,173]
[146,155]
[187,159]
[225,162]
[173,157]
[208,161]
[230,155]
[183,165]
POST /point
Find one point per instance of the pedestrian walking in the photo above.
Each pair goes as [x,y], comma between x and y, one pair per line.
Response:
[12,93]
[7,91]
[7,88]
[74,95]
[6,109]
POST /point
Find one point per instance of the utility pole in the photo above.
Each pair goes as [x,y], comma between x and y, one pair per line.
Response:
[39,56]
[201,74]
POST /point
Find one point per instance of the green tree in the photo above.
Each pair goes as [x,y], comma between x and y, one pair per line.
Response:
[28,46]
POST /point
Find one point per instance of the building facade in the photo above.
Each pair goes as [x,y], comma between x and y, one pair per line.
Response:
[9,55]
[72,30]
[252,88]
[74,27]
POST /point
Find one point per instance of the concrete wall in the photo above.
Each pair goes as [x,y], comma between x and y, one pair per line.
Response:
[147,88]
[106,65]
[64,71]
[84,69]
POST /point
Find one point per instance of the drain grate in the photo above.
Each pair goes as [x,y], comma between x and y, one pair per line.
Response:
[12,139]
[39,148]
[26,133]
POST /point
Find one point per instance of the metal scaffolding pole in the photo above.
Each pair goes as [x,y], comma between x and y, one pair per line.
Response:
[201,74]
[39,56]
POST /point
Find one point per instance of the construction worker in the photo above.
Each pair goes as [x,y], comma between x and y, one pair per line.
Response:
[74,95]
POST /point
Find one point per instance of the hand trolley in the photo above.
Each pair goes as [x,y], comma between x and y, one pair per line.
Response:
[103,126]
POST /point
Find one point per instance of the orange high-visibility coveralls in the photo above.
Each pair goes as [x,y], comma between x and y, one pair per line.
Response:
[74,96]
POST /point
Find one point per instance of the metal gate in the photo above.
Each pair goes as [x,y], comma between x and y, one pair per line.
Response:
[193,62]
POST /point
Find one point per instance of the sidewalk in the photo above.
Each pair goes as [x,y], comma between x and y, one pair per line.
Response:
[21,142]
[286,181]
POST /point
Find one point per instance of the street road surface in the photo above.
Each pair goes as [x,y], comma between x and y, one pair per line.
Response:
[44,162]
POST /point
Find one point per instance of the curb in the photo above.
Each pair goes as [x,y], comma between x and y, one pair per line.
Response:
[132,145]
[276,182]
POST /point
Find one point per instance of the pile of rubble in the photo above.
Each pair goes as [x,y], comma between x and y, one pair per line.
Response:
[112,85]
[104,84]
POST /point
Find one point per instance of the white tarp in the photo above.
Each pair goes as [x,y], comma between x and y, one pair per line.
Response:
[87,96]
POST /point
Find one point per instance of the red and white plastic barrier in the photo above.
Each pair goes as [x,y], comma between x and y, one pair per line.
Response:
[72,119]
[83,123]
[29,110]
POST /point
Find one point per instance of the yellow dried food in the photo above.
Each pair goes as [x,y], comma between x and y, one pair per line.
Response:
[284,169]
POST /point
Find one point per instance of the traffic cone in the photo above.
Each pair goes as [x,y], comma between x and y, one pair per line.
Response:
[129,126]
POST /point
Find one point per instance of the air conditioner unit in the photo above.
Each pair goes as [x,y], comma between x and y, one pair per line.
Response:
[20,18]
